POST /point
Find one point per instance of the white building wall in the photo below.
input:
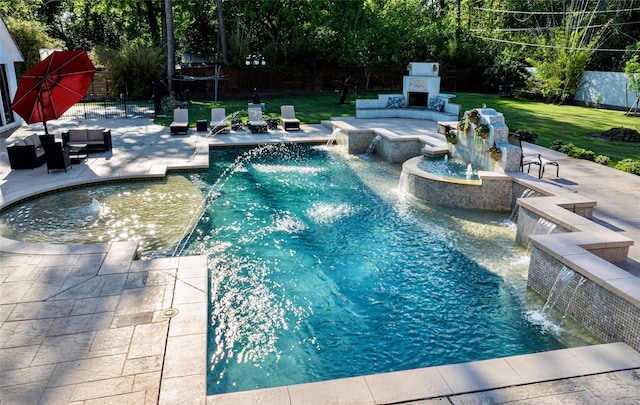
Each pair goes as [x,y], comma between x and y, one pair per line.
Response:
[9,55]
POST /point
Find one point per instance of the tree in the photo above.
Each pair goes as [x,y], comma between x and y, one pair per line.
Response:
[222,29]
[170,44]
[30,36]
[632,69]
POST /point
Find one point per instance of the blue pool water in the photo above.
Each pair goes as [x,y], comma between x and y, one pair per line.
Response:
[453,168]
[319,273]
[319,267]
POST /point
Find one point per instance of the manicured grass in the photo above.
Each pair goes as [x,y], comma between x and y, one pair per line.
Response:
[571,124]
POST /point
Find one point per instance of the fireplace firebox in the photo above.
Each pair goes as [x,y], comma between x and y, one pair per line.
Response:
[417,99]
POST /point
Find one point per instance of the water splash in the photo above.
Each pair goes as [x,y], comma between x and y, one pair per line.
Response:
[469,171]
[95,206]
[543,316]
[215,190]
[334,136]
[527,193]
[372,145]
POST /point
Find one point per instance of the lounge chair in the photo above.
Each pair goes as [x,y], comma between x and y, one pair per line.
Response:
[218,123]
[180,124]
[532,159]
[257,124]
[289,120]
[57,156]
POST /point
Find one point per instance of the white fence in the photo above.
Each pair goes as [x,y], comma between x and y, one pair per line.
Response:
[606,89]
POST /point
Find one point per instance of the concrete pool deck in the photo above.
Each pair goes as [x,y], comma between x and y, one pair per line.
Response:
[89,324]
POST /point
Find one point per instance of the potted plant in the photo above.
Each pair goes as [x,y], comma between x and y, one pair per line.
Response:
[482,131]
[494,152]
[473,116]
[452,136]
[463,125]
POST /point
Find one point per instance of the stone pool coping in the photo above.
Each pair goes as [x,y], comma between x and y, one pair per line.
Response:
[164,359]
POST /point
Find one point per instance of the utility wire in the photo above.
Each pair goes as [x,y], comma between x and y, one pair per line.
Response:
[554,46]
[550,28]
[554,12]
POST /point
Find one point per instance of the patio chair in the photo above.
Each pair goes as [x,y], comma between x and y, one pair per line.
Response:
[180,124]
[218,123]
[289,120]
[532,159]
[57,156]
[257,125]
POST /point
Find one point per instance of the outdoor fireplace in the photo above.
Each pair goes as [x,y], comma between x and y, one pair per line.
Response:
[421,81]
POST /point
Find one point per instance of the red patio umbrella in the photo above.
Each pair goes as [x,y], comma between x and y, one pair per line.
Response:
[52,86]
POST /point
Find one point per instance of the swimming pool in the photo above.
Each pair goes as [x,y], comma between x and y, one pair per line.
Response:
[320,269]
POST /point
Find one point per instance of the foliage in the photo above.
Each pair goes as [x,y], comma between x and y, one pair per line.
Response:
[632,69]
[603,160]
[629,165]
[564,53]
[346,85]
[168,104]
[451,135]
[482,130]
[527,135]
[133,68]
[573,151]
[30,36]
[505,77]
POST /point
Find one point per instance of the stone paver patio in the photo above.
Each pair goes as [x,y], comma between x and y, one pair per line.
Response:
[89,324]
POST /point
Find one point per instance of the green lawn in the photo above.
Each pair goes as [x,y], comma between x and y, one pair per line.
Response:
[551,122]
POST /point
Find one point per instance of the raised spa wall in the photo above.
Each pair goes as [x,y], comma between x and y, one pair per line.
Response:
[553,223]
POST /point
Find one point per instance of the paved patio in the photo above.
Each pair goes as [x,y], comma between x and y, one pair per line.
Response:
[89,324]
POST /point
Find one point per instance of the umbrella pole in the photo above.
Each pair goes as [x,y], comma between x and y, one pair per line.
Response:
[46,130]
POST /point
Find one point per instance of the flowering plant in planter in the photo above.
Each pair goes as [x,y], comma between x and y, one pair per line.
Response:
[494,152]
[482,131]
[452,136]
[473,116]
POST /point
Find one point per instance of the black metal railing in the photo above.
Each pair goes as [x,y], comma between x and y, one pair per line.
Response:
[92,107]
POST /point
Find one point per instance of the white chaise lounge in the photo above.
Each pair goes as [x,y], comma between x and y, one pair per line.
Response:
[180,124]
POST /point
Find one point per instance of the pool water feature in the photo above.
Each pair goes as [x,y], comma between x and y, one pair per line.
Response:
[320,269]
[447,167]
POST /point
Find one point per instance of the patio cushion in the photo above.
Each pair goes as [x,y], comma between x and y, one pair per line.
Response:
[95,135]
[77,135]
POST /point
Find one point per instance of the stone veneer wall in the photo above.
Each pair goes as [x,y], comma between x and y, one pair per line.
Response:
[528,223]
[608,316]
[492,192]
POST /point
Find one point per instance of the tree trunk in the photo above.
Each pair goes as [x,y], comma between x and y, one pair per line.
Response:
[153,23]
[223,34]
[171,45]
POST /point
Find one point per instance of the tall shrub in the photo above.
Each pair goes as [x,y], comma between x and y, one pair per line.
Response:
[133,69]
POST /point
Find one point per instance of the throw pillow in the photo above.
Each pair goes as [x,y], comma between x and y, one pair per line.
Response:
[436,104]
[396,102]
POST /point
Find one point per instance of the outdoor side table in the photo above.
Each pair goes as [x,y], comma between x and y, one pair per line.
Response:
[201,125]
[78,152]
